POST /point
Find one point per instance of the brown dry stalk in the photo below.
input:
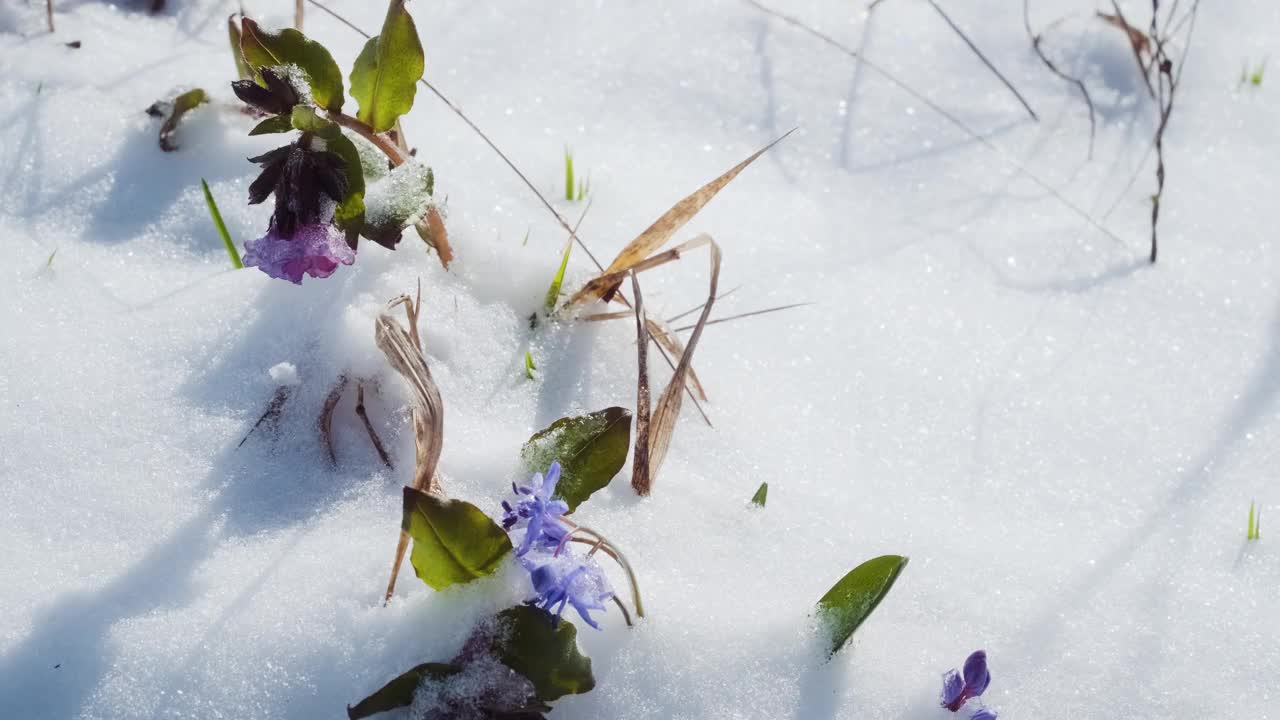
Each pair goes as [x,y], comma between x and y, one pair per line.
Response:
[640,455]
[326,416]
[664,336]
[403,351]
[667,410]
[368,426]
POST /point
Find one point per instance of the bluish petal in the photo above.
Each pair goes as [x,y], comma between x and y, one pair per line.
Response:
[553,477]
[983,714]
[976,676]
[952,690]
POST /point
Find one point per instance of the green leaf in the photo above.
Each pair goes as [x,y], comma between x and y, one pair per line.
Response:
[221,226]
[453,541]
[275,124]
[531,643]
[385,75]
[183,104]
[290,47]
[553,292]
[591,449]
[528,365]
[243,71]
[349,215]
[305,118]
[855,597]
[394,202]
[568,174]
[399,692]
[762,494]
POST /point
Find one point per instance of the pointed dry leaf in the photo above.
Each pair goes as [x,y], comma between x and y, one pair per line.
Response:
[669,340]
[640,454]
[667,410]
[657,234]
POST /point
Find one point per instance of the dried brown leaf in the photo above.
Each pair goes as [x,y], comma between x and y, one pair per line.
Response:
[665,337]
[667,411]
[640,454]
[657,234]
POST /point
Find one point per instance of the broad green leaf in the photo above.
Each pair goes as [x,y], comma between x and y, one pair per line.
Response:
[385,75]
[290,47]
[591,449]
[395,201]
[183,104]
[453,541]
[216,216]
[762,494]
[274,124]
[855,597]
[399,692]
[531,643]
[349,215]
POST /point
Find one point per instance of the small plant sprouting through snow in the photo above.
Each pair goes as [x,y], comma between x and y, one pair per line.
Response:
[1254,531]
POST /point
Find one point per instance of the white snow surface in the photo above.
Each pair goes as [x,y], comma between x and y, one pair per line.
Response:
[1063,439]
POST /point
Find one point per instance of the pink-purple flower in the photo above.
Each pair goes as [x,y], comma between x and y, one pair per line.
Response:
[957,687]
[315,250]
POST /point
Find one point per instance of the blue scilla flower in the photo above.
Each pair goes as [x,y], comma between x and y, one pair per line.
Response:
[560,580]
[536,509]
[957,688]
[983,714]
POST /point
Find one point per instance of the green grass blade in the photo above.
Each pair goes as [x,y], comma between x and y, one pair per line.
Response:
[528,365]
[568,175]
[553,292]
[762,494]
[221,226]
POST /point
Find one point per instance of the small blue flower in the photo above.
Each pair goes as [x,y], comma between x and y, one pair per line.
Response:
[563,580]
[540,513]
[983,714]
[956,689]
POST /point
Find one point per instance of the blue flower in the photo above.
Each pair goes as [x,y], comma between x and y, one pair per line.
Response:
[956,689]
[540,513]
[983,714]
[563,580]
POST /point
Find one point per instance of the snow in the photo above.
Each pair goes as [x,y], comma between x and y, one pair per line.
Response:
[1064,440]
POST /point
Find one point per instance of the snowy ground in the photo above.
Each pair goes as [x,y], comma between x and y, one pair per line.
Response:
[1064,440]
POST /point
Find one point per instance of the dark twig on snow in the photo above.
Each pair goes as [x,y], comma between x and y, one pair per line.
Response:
[1053,68]
[990,66]
[368,426]
[271,415]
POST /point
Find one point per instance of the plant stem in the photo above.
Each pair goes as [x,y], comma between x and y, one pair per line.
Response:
[364,130]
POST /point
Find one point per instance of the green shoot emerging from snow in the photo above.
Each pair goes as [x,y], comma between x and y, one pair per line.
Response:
[574,192]
[221,226]
[1253,78]
[529,367]
[1254,531]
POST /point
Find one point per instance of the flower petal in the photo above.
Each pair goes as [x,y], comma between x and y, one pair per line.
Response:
[976,676]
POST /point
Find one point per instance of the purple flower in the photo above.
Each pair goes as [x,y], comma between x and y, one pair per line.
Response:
[983,714]
[563,580]
[537,509]
[314,250]
[956,689]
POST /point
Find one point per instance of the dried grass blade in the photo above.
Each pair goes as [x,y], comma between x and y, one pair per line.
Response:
[667,411]
[405,355]
[640,455]
[603,285]
[664,336]
[657,234]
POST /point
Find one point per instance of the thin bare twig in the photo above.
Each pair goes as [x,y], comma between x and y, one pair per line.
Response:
[983,58]
[739,316]
[272,414]
[1053,68]
[368,426]
[943,112]
[48,12]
